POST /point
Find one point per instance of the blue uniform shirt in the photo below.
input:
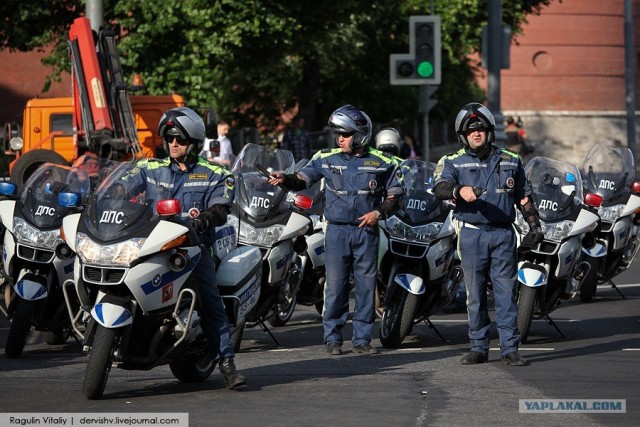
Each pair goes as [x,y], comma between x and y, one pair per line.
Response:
[502,176]
[356,185]
[201,186]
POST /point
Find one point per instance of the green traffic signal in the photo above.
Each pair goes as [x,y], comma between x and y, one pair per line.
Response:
[425,69]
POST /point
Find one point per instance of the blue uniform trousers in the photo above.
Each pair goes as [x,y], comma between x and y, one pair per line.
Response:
[346,246]
[215,323]
[490,253]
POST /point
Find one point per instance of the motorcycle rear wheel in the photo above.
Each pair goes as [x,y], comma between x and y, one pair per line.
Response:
[99,364]
[191,371]
[19,329]
[526,300]
[397,319]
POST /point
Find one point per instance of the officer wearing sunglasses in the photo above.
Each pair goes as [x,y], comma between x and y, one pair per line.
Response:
[363,186]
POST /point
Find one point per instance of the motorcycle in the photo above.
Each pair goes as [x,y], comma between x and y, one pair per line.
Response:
[30,260]
[132,273]
[552,272]
[417,276]
[609,172]
[272,219]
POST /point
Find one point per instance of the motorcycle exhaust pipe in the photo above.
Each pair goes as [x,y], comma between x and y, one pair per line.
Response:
[178,262]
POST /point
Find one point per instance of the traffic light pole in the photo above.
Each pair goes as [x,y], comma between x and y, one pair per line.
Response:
[494,64]
[426,105]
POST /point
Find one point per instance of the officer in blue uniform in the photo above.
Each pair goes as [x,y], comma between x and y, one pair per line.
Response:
[363,186]
[486,183]
[206,192]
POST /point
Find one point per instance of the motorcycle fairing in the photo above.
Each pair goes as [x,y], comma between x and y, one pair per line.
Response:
[532,275]
[621,233]
[163,233]
[31,287]
[7,208]
[154,285]
[315,249]
[111,315]
[568,254]
[597,251]
[632,205]
[410,282]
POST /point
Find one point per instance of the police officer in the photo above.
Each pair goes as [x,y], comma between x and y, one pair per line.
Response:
[388,141]
[485,182]
[363,186]
[206,193]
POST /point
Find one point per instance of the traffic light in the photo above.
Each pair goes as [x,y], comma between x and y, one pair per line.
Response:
[422,65]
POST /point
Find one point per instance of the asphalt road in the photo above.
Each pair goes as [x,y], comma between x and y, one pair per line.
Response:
[422,383]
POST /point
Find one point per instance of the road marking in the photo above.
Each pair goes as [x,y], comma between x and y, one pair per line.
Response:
[631,349]
[628,285]
[529,349]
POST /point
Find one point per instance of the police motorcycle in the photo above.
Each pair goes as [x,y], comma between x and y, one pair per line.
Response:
[34,270]
[552,272]
[417,276]
[609,172]
[272,219]
[132,276]
[311,291]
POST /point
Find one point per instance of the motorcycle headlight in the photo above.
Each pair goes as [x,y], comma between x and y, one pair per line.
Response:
[556,230]
[610,213]
[422,234]
[122,253]
[29,235]
[263,236]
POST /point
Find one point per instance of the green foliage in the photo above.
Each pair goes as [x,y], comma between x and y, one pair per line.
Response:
[251,59]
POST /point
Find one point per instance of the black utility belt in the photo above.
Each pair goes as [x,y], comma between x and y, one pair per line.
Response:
[487,227]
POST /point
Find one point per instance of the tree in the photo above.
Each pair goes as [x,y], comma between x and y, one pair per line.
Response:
[252,59]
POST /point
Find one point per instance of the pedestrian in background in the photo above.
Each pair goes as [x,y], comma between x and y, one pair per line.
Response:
[363,186]
[297,140]
[486,183]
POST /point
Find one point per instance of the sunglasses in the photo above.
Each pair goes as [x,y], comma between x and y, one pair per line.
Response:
[169,139]
[344,134]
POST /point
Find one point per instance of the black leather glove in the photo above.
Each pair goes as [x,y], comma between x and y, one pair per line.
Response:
[533,237]
[58,187]
[203,222]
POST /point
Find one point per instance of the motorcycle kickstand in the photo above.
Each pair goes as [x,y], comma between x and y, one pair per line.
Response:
[552,323]
[432,326]
[613,285]
[266,329]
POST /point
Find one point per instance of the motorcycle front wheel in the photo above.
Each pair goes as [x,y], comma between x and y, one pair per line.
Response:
[282,312]
[99,364]
[590,281]
[526,300]
[397,319]
[19,329]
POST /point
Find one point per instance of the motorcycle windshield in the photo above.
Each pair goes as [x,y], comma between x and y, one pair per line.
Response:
[556,186]
[608,171]
[254,195]
[119,207]
[419,205]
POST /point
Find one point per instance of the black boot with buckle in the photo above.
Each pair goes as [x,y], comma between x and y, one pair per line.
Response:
[232,379]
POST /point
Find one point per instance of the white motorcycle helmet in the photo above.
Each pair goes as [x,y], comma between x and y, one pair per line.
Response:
[349,120]
[183,123]
[388,141]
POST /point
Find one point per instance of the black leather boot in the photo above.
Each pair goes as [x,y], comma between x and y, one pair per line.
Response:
[232,379]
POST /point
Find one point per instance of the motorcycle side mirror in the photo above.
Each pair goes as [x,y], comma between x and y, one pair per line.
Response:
[593,200]
[69,200]
[168,207]
[635,187]
[303,202]
[8,188]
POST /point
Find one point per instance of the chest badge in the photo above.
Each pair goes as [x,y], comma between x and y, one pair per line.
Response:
[510,182]
[194,212]
[373,184]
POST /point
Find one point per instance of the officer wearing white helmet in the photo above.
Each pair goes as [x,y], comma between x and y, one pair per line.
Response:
[363,185]
[388,141]
[206,193]
[486,183]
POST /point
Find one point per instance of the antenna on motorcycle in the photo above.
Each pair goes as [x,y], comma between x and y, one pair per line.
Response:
[593,200]
[168,207]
